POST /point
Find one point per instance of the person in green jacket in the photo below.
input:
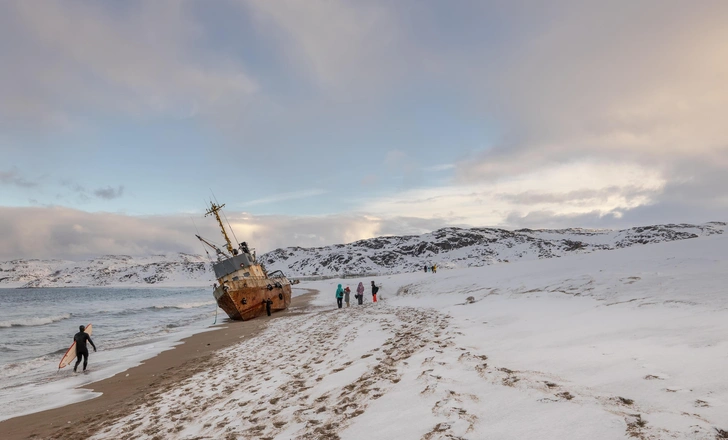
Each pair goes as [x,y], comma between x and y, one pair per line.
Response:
[339,296]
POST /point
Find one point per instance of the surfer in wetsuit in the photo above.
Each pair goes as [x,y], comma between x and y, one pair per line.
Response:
[80,339]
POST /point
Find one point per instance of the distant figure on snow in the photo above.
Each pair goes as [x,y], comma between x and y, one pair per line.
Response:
[81,349]
[360,293]
[375,289]
[339,295]
[425,268]
[434,268]
[347,292]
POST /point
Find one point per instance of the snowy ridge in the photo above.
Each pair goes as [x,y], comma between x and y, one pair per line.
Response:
[459,248]
[449,248]
[109,270]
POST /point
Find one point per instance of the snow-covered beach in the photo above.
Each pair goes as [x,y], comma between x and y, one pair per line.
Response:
[617,344]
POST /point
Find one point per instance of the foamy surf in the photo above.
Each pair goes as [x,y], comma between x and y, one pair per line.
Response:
[130,325]
[34,321]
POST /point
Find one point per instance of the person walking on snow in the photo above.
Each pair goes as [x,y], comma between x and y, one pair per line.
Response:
[339,295]
[81,349]
[360,293]
[375,289]
[347,291]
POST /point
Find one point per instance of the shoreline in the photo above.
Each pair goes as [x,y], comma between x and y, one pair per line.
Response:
[125,390]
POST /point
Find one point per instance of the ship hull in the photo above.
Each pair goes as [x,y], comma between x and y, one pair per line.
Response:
[246,299]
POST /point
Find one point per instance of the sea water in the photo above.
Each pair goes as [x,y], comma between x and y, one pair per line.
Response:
[129,325]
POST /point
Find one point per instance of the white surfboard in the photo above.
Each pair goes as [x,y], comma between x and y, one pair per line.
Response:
[71,353]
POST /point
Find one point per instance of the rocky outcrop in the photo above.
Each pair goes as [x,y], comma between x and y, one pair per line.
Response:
[456,247]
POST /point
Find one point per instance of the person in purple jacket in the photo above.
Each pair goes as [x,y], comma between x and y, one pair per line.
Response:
[360,293]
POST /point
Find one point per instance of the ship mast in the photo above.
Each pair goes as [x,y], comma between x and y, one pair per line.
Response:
[214,210]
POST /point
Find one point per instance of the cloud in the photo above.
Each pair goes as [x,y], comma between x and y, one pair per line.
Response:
[84,195]
[396,159]
[294,195]
[640,84]
[552,220]
[578,197]
[443,167]
[345,47]
[13,177]
[58,232]
[73,186]
[109,193]
[602,187]
[650,93]
[594,112]
[140,59]
[269,232]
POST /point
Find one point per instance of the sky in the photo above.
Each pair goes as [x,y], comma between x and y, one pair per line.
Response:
[324,122]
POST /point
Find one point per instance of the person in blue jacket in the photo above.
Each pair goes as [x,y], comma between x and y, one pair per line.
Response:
[339,295]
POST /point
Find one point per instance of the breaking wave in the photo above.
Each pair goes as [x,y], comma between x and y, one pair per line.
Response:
[162,308]
[32,322]
[192,305]
[59,351]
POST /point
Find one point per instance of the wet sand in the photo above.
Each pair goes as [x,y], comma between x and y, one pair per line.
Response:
[128,389]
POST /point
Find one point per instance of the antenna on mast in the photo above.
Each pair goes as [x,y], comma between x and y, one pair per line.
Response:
[226,219]
[215,209]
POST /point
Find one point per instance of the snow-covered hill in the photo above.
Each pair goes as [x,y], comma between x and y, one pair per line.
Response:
[448,248]
[459,248]
[109,270]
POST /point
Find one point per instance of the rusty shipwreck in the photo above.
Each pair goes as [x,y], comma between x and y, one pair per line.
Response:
[244,289]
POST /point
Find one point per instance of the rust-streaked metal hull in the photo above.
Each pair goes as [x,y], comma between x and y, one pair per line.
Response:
[246,298]
[244,289]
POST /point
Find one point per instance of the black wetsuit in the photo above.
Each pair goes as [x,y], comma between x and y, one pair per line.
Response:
[81,350]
